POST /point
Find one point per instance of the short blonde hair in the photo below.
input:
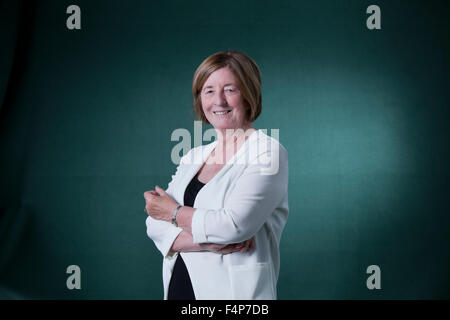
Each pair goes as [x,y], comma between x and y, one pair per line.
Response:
[246,72]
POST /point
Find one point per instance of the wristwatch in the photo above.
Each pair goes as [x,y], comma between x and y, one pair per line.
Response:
[174,216]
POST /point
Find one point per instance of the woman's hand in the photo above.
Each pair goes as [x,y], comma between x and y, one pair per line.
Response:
[185,243]
[229,248]
[159,204]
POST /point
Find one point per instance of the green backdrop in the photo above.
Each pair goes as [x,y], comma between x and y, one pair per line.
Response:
[86,118]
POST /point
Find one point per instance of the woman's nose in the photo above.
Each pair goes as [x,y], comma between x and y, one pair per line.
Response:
[219,98]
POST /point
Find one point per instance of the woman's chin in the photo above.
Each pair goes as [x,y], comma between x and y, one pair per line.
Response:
[224,127]
[222,124]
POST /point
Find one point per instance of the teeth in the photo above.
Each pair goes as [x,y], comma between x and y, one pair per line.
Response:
[221,112]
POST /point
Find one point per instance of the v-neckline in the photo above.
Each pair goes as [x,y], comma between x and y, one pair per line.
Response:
[230,161]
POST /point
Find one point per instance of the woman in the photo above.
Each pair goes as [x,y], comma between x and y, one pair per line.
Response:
[219,223]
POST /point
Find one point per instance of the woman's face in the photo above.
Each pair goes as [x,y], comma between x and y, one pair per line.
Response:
[222,102]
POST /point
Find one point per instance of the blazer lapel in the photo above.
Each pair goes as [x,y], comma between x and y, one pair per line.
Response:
[194,166]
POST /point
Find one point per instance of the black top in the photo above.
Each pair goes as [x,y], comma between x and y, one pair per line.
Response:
[191,191]
[180,286]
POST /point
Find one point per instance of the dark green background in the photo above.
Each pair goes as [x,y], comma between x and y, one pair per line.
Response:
[86,119]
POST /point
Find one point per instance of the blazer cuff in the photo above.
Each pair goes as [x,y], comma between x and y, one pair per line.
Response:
[173,234]
[198,226]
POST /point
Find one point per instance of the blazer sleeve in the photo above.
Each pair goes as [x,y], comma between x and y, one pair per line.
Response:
[255,196]
[164,233]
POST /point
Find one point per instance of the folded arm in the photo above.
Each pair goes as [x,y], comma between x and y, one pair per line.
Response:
[254,197]
[169,238]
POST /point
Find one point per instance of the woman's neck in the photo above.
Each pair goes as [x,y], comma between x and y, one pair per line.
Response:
[229,140]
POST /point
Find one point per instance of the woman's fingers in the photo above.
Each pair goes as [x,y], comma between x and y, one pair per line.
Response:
[241,247]
[248,245]
[148,198]
[245,246]
[150,192]
[234,247]
[214,247]
[229,249]
[224,249]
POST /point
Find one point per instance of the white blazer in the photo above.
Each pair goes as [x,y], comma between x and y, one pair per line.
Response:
[247,198]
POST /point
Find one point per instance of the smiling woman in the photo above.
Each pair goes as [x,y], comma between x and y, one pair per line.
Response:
[222,102]
[219,223]
[230,79]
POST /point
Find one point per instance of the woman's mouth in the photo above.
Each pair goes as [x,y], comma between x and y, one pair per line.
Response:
[219,113]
